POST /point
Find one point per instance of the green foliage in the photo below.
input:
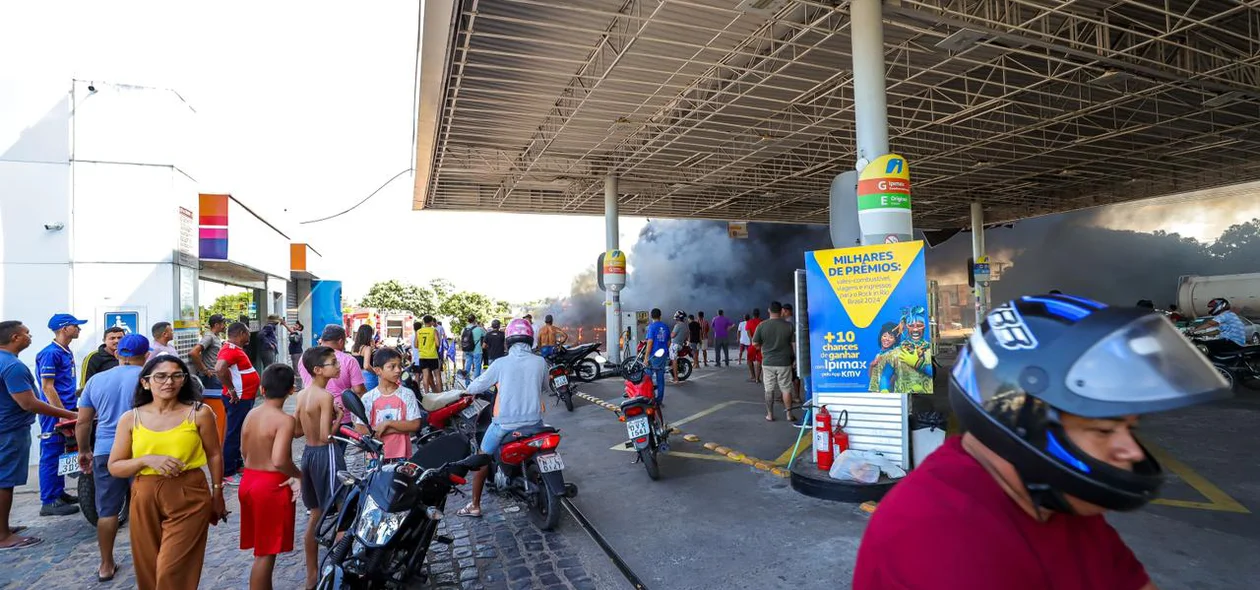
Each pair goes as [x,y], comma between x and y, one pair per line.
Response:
[230,306]
[439,298]
[458,305]
[395,295]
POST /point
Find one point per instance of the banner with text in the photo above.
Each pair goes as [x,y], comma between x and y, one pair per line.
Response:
[868,319]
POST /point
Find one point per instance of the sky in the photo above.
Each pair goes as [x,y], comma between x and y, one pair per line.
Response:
[305,108]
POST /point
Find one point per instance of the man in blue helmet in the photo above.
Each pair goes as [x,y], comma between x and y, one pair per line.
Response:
[1049,390]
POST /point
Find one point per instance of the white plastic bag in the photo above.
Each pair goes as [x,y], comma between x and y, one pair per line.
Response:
[863,467]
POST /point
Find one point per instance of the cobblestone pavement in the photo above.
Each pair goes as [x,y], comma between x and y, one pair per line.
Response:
[502,550]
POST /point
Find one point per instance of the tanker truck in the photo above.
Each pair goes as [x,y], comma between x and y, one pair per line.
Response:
[1242,291]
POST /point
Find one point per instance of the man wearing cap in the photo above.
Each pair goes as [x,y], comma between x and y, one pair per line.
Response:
[55,365]
[351,377]
[18,406]
[205,359]
[106,397]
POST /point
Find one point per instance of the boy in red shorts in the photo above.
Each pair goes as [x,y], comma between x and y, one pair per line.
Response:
[268,485]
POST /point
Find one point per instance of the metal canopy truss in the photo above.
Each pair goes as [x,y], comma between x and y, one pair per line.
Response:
[744,110]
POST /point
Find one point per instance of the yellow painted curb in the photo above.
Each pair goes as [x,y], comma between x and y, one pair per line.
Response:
[780,472]
[762,465]
[736,455]
[712,446]
[868,507]
[691,438]
[722,450]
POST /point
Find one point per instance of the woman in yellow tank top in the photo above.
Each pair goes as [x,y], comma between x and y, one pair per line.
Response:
[163,443]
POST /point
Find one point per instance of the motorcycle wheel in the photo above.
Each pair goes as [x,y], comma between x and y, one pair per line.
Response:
[545,509]
[1229,377]
[649,462]
[586,370]
[684,369]
[87,501]
[568,401]
[337,555]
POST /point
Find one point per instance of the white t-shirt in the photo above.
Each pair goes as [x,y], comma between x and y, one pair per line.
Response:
[743,334]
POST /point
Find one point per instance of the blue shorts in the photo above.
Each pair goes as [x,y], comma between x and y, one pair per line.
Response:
[15,456]
[110,491]
[493,439]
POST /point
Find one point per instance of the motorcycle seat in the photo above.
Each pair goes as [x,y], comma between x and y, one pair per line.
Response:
[527,432]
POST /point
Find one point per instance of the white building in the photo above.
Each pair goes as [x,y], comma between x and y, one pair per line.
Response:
[101,216]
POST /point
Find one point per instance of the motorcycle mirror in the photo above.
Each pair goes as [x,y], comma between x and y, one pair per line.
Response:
[354,405]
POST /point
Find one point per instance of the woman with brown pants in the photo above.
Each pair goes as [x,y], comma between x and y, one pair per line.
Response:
[163,443]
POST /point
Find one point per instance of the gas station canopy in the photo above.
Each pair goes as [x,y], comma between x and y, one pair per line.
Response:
[734,110]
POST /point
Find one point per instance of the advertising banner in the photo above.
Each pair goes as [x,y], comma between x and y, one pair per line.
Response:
[868,320]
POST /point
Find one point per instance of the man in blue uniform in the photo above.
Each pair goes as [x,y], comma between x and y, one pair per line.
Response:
[55,366]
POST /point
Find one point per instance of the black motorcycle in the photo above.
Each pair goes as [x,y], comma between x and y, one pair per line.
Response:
[1237,364]
[390,515]
[576,361]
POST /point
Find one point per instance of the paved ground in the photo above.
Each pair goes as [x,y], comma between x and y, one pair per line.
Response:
[720,524]
[500,551]
[713,523]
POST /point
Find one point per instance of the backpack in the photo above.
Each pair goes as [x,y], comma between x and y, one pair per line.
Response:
[466,342]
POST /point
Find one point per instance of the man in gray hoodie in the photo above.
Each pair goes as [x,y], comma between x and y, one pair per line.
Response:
[522,380]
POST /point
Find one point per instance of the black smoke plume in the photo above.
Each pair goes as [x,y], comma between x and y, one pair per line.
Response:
[696,266]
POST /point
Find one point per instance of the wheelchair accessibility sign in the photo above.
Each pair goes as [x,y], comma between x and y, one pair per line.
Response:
[129,321]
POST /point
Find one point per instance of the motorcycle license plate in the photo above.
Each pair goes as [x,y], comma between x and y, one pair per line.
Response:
[637,427]
[560,381]
[68,463]
[550,462]
[471,412]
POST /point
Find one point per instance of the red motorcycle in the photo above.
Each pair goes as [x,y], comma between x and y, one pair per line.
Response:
[529,468]
[645,422]
[683,362]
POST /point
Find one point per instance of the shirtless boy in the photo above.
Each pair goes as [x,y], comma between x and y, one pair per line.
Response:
[316,414]
[269,484]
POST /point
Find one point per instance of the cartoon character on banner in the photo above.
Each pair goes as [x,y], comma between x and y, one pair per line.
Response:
[914,361]
[883,368]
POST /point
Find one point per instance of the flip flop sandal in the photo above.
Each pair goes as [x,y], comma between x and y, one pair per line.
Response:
[469,511]
[27,542]
[17,529]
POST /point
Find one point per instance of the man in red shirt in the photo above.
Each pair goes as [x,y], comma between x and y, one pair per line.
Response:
[1049,390]
[240,387]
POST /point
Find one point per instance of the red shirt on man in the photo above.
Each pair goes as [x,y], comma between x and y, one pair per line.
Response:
[950,526]
[244,377]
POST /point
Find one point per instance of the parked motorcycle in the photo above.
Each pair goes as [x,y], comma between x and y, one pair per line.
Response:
[683,362]
[68,466]
[560,386]
[1237,364]
[390,516]
[645,422]
[576,361]
[529,468]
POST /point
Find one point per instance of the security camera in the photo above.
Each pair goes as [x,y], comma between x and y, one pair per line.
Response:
[55,226]
[91,88]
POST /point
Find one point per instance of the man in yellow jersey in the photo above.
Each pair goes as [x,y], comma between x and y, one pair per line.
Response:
[427,353]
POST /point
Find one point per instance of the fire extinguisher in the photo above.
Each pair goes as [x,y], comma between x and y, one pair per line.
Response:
[841,438]
[822,439]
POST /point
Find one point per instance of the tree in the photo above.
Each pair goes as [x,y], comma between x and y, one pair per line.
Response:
[230,306]
[441,289]
[458,305]
[401,296]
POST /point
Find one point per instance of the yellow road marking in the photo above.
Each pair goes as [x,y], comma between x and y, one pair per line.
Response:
[682,454]
[801,446]
[1219,500]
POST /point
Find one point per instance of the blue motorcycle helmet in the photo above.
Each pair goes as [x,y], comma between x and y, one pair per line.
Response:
[1036,358]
